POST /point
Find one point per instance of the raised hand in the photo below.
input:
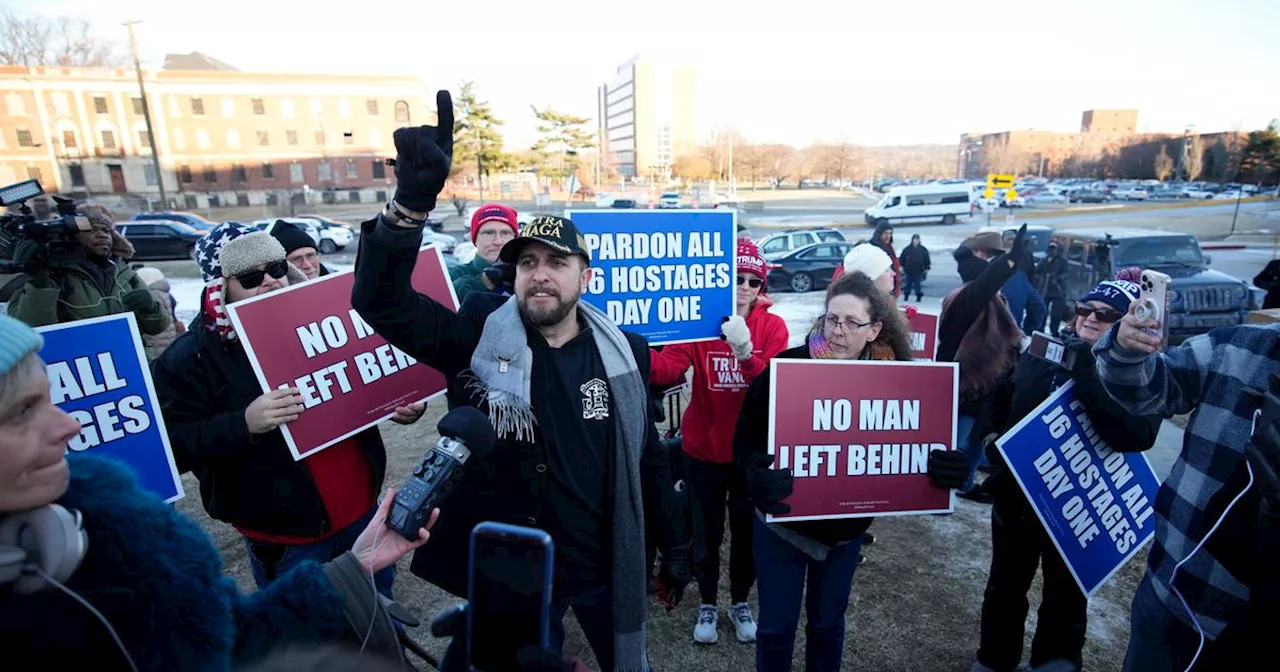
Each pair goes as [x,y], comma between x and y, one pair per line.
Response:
[424,156]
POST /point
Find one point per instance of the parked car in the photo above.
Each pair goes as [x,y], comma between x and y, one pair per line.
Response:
[328,239]
[1131,194]
[327,222]
[669,200]
[623,204]
[807,268]
[189,218]
[778,244]
[1089,196]
[1045,198]
[921,203]
[156,239]
[1202,298]
[1038,237]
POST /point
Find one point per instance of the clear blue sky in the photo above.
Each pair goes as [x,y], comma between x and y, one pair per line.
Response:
[879,73]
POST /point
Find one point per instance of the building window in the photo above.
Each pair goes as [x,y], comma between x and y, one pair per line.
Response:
[77,175]
[175,108]
[286,108]
[264,138]
[69,139]
[320,138]
[24,138]
[184,174]
[372,106]
[100,104]
[17,106]
[61,102]
[344,108]
[238,174]
[33,172]
[108,139]
[179,139]
[259,108]
[202,138]
[228,107]
[352,171]
[144,139]
[295,172]
[137,105]
[348,138]
[324,171]
[291,137]
[268,171]
[375,138]
[149,173]
[317,107]
[210,175]
[379,170]
[233,138]
[402,112]
[197,107]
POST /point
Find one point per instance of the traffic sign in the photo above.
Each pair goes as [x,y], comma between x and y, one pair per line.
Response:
[997,181]
[989,193]
[1010,195]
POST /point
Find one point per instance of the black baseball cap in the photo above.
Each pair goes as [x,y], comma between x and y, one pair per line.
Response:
[557,233]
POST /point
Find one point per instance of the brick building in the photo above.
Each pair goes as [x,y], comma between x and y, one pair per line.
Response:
[223,136]
[1045,152]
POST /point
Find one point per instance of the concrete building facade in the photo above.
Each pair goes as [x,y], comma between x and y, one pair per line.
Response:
[1045,152]
[647,115]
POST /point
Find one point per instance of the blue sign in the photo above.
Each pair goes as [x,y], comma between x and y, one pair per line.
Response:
[667,275]
[98,374]
[1094,502]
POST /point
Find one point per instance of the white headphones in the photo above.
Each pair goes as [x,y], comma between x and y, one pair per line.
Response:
[48,541]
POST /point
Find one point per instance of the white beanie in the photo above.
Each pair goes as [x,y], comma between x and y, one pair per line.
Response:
[150,275]
[868,259]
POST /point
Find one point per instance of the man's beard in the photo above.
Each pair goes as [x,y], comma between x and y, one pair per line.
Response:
[545,317]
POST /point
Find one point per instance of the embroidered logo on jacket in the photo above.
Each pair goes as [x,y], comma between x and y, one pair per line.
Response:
[724,372]
[595,400]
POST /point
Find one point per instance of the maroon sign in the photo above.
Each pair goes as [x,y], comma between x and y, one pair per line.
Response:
[857,435]
[924,335]
[308,336]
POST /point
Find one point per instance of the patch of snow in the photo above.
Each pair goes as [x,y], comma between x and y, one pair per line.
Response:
[186,291]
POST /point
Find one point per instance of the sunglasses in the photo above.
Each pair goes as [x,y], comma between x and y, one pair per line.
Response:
[754,282]
[251,279]
[1108,315]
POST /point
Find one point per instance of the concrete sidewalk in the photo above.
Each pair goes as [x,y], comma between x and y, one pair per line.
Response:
[1165,452]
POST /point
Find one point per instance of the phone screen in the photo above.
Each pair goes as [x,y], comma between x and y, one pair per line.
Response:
[510,598]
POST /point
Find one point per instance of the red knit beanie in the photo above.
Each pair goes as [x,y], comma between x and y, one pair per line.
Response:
[749,258]
[492,212]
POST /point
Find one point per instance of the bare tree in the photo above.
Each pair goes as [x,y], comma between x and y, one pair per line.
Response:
[840,157]
[779,163]
[1194,161]
[1163,164]
[63,41]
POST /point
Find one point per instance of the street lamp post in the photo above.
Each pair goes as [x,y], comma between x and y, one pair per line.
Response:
[146,114]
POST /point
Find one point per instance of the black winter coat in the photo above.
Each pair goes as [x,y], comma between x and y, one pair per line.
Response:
[247,480]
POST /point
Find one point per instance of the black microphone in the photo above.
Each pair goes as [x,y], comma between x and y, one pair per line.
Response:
[465,432]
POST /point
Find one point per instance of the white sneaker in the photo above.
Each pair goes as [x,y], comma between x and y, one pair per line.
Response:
[705,631]
[743,622]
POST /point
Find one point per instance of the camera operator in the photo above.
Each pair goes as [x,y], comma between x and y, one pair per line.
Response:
[83,281]
[144,588]
[567,392]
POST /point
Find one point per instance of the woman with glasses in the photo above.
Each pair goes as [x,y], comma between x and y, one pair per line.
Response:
[492,226]
[1019,542]
[227,431]
[722,370]
[860,322]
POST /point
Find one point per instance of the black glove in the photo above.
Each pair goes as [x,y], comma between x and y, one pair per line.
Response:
[139,301]
[1263,452]
[501,274]
[33,258]
[767,487]
[1020,244]
[948,468]
[424,156]
[673,576]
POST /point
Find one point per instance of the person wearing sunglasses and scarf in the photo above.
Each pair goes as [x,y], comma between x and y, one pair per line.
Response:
[226,430]
[860,322]
[722,370]
[1018,540]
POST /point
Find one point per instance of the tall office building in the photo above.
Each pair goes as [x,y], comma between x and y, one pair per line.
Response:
[648,116]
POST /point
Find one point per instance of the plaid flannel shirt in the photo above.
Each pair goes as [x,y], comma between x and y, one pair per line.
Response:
[1204,376]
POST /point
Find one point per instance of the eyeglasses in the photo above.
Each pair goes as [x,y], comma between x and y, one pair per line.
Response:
[834,323]
[502,233]
[251,279]
[1104,314]
[754,282]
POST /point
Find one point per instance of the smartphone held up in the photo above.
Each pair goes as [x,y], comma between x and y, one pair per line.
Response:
[1153,303]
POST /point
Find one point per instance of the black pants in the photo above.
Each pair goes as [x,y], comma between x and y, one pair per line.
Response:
[1018,544]
[710,485]
[1057,313]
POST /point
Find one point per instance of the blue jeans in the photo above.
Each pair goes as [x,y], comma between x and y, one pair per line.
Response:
[971,448]
[1158,640]
[780,584]
[912,285]
[270,561]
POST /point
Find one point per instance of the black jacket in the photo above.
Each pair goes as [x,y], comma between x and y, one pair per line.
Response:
[1053,277]
[204,386]
[915,260]
[512,484]
[1269,279]
[751,437]
[1030,382]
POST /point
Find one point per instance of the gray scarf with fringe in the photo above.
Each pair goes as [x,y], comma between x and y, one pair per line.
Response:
[502,368]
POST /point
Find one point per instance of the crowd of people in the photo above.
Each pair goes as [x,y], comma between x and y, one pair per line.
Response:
[95,571]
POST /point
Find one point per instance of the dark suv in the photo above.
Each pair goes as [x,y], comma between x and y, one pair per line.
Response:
[1202,298]
[190,219]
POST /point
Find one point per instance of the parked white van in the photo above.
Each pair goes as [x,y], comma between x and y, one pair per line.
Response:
[922,203]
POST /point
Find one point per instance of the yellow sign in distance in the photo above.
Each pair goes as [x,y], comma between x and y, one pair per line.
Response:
[1010,195]
[989,193]
[997,181]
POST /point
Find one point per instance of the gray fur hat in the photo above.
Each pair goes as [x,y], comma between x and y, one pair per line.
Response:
[247,252]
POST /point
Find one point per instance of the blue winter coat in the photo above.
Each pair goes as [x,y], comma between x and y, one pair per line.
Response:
[1024,300]
[157,577]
